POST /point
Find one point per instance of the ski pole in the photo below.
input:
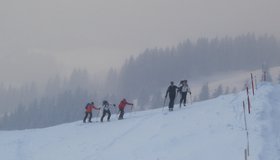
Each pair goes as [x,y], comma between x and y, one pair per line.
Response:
[187,99]
[164,103]
[191,98]
[117,114]
[115,109]
[97,115]
[131,109]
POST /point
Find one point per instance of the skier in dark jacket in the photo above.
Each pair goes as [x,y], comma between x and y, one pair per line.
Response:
[89,107]
[171,90]
[122,105]
[184,90]
[106,110]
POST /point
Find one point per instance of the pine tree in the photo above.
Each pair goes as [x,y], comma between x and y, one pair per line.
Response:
[266,73]
[219,91]
[204,93]
[157,99]
[234,90]
[226,90]
[269,77]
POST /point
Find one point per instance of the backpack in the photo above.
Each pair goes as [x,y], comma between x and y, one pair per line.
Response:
[105,103]
[86,106]
[179,89]
[182,81]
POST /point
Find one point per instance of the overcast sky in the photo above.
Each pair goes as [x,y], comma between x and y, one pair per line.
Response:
[53,36]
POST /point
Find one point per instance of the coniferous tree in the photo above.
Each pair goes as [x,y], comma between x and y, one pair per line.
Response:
[227,90]
[139,78]
[157,100]
[234,90]
[53,86]
[193,59]
[58,105]
[204,92]
[143,98]
[219,91]
[111,82]
[269,77]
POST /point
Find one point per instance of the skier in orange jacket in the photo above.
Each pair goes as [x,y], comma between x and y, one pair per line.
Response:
[89,107]
[122,105]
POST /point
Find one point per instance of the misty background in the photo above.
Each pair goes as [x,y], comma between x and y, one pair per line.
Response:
[57,55]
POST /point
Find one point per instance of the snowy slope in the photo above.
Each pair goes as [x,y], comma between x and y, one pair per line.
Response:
[209,130]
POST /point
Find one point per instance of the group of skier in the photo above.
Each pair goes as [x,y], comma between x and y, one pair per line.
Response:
[172,91]
[106,110]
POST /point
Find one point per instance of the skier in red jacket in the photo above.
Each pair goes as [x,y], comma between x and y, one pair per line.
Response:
[122,105]
[89,107]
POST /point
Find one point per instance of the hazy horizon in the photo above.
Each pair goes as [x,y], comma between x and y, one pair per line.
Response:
[40,39]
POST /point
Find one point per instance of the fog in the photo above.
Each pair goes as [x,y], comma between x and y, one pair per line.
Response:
[56,55]
[41,38]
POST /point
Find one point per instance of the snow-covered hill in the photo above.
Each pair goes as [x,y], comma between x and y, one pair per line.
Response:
[232,80]
[209,130]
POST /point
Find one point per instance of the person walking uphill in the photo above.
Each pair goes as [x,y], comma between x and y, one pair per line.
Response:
[89,107]
[122,105]
[106,110]
[171,90]
[184,89]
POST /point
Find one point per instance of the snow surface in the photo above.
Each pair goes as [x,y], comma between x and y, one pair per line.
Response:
[209,130]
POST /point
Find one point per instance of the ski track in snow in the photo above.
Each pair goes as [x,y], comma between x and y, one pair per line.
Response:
[119,137]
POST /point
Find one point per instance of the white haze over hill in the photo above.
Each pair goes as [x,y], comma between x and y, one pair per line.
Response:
[208,130]
[98,35]
[231,80]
